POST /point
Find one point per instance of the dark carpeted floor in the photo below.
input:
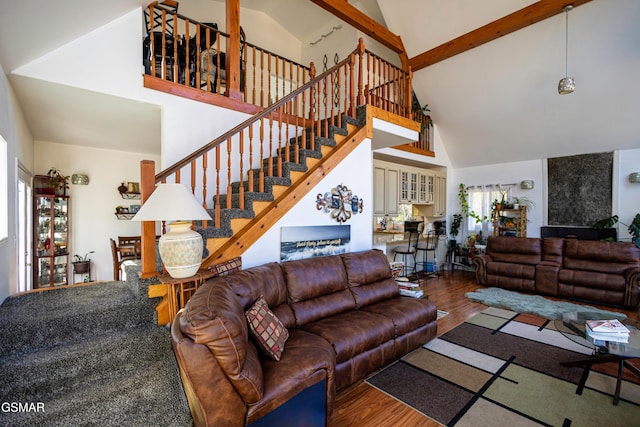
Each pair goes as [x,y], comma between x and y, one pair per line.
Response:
[88,355]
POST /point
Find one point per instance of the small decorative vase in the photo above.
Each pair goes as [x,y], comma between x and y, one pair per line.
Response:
[181,250]
[122,188]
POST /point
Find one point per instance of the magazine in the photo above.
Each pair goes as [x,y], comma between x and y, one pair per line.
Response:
[601,339]
[613,326]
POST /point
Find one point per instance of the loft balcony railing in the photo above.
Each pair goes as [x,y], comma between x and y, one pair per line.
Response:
[293,107]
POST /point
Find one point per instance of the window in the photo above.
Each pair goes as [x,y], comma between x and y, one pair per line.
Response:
[4,208]
[481,200]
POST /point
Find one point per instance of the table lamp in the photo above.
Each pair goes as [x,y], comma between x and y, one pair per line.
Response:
[180,248]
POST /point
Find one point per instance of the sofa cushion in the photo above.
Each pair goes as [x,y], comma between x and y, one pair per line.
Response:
[603,257]
[516,250]
[353,332]
[407,314]
[266,280]
[307,360]
[214,317]
[317,288]
[369,277]
[267,329]
[552,250]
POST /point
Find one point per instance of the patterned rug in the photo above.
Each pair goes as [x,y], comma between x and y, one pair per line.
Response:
[500,368]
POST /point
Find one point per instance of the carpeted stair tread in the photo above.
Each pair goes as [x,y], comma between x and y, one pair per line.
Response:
[68,315]
[145,390]
[29,377]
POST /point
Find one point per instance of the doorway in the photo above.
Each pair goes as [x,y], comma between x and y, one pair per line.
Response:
[24,192]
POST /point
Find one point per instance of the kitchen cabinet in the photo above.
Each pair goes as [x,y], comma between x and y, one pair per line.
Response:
[425,188]
[408,186]
[440,195]
[50,239]
[385,187]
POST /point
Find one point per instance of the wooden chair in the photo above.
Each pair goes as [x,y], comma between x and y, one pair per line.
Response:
[119,256]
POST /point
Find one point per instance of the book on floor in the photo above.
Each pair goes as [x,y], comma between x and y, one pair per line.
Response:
[412,293]
[612,326]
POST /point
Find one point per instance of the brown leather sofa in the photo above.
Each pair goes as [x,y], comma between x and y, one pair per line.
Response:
[586,270]
[345,319]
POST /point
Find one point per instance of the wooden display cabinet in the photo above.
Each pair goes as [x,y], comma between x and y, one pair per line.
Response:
[510,222]
[50,240]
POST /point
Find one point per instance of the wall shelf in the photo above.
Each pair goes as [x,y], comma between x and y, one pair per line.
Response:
[125,215]
[130,196]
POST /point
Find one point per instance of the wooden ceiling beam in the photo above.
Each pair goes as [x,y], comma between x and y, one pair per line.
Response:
[354,17]
[515,21]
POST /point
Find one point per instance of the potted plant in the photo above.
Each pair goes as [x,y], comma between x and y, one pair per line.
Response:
[81,265]
[57,182]
[634,227]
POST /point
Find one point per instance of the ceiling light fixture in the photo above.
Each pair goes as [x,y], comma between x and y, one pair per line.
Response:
[567,84]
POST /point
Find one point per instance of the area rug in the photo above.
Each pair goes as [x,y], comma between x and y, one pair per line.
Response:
[534,304]
[500,368]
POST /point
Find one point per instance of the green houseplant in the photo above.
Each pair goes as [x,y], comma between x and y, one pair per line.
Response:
[58,182]
[82,264]
[634,227]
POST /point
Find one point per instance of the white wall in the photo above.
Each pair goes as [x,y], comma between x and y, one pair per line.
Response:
[626,201]
[15,131]
[92,207]
[349,172]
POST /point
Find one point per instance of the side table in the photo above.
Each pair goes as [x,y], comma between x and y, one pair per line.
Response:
[180,290]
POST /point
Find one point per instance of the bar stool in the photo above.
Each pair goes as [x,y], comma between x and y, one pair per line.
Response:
[407,251]
[429,245]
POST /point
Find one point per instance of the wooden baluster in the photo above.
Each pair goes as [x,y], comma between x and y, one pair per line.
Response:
[287,157]
[207,42]
[250,181]
[229,146]
[345,108]
[270,161]
[312,112]
[277,94]
[197,82]
[318,113]
[205,158]
[333,97]
[253,65]
[291,86]
[164,45]
[280,142]
[326,106]
[178,176]
[409,95]
[193,176]
[187,71]
[261,167]
[175,49]
[218,74]
[241,190]
[217,212]
[352,108]
[262,78]
[269,77]
[360,83]
[367,94]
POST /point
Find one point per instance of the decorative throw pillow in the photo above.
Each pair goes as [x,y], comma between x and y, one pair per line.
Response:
[267,328]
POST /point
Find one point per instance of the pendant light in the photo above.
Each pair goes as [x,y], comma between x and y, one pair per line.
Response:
[567,84]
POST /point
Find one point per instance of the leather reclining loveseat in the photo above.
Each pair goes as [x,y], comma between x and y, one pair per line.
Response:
[345,319]
[586,270]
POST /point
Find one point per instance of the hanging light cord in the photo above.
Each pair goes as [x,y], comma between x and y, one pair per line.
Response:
[566,42]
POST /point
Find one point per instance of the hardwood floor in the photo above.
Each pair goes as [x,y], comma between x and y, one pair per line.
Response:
[362,405]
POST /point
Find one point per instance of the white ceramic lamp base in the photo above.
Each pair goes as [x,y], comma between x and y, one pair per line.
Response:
[181,250]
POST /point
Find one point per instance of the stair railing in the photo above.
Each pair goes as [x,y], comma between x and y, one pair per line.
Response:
[249,152]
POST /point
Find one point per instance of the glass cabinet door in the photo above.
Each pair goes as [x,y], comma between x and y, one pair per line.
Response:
[50,239]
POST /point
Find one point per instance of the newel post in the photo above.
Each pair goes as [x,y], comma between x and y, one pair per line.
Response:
[148,228]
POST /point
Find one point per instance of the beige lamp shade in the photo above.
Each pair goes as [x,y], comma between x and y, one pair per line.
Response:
[180,248]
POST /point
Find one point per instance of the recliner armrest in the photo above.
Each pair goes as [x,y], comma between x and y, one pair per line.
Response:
[481,262]
[632,290]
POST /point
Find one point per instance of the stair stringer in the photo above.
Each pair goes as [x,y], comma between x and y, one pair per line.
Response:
[264,220]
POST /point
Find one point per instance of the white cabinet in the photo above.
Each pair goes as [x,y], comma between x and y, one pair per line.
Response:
[425,188]
[408,186]
[385,189]
[440,195]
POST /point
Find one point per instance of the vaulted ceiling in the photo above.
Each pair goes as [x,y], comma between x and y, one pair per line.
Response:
[492,104]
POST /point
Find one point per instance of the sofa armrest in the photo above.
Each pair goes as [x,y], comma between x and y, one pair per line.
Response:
[632,290]
[212,398]
[481,262]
